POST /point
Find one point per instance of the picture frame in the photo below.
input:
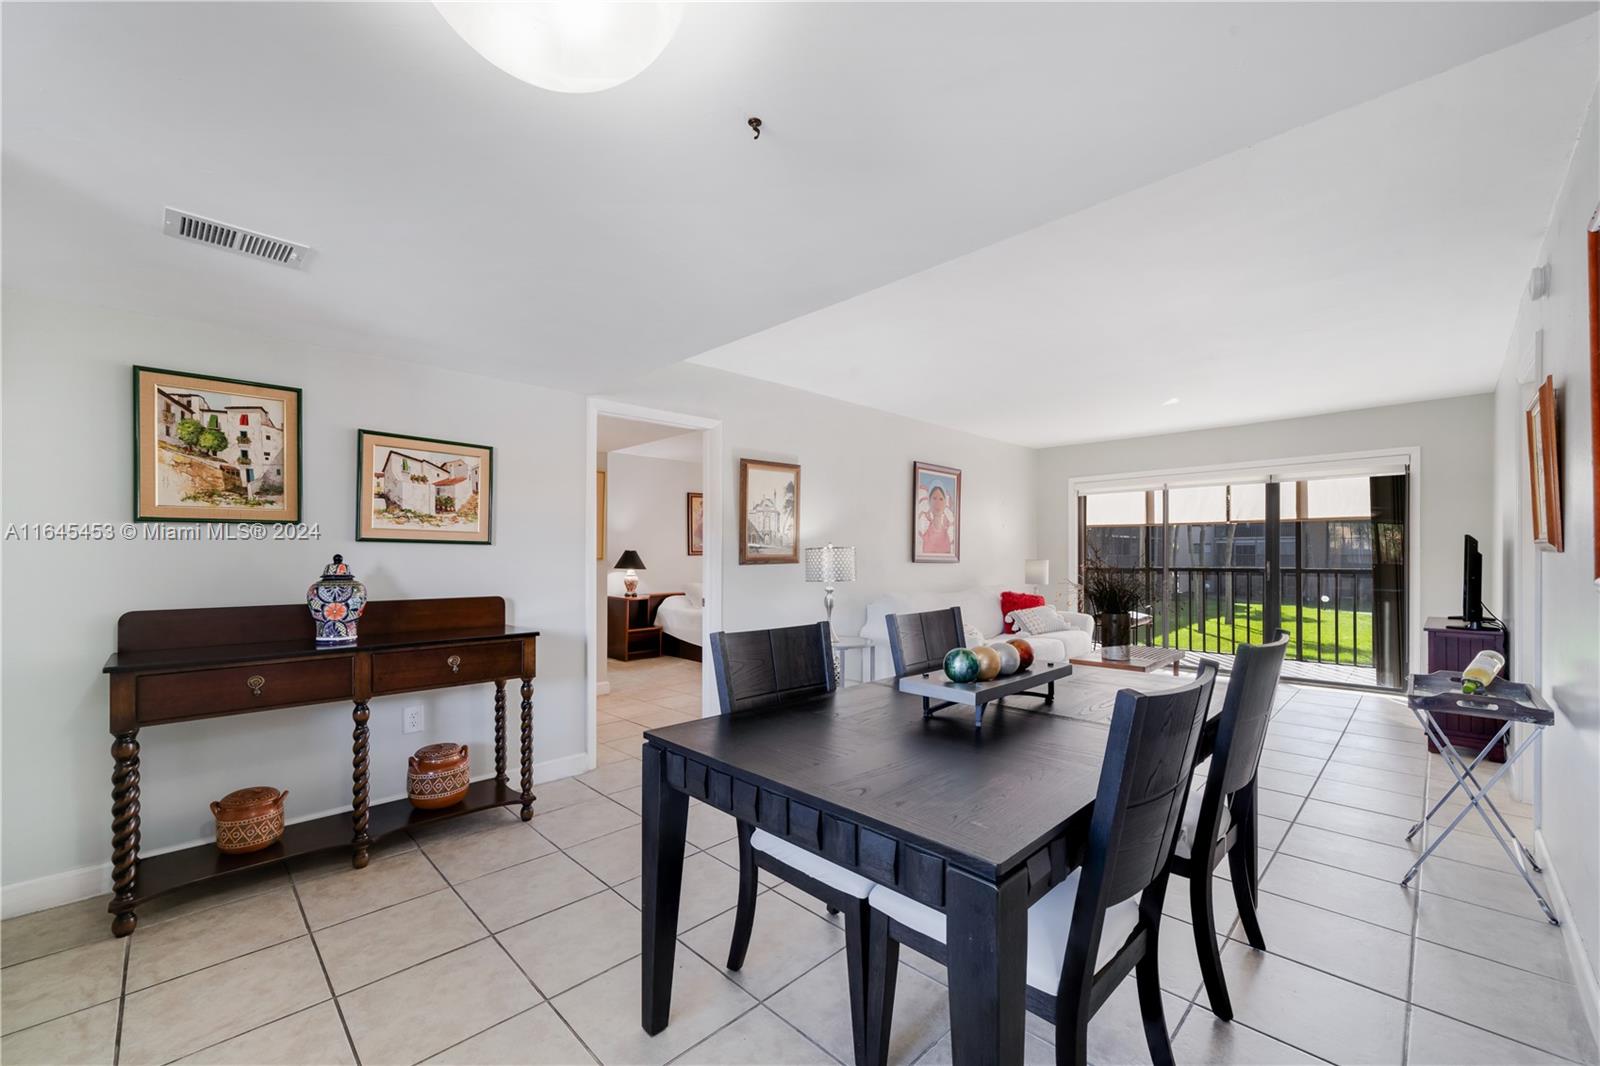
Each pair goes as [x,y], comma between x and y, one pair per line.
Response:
[1594,380]
[694,515]
[423,489]
[215,449]
[935,513]
[1544,470]
[769,512]
[599,515]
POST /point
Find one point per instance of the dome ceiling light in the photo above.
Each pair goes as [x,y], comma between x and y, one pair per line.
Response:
[566,46]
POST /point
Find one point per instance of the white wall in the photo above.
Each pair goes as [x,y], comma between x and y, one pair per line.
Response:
[645,502]
[67,458]
[1549,600]
[1456,457]
[855,488]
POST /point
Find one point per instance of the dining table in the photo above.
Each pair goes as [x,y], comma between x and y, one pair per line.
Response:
[975,822]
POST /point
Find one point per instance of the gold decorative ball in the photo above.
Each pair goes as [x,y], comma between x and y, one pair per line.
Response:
[988,662]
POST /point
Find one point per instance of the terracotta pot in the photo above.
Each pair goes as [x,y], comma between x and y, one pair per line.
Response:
[438,776]
[249,819]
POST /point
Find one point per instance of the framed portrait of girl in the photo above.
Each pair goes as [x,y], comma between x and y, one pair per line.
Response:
[935,513]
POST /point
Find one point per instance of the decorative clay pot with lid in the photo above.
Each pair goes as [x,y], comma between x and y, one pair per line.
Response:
[249,819]
[438,776]
[337,602]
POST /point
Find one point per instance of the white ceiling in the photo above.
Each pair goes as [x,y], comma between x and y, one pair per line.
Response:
[461,217]
[1372,257]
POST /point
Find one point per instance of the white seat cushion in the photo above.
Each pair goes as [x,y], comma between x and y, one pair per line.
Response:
[1191,821]
[1049,922]
[814,866]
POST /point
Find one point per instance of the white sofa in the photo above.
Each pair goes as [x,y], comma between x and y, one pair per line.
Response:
[980,608]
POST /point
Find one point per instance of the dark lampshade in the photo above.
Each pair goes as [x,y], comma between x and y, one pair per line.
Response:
[629,561]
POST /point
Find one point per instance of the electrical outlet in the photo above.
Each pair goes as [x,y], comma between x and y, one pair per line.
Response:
[411,722]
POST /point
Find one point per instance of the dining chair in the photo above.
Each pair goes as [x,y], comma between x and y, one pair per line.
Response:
[918,642]
[1088,932]
[1223,810]
[766,668]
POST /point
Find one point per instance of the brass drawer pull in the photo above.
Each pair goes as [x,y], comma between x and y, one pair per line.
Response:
[455,664]
[256,683]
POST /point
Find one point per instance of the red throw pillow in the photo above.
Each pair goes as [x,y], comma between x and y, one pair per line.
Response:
[1016,601]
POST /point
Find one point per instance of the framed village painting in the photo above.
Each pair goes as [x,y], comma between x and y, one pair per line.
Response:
[695,523]
[935,513]
[599,515]
[209,449]
[421,489]
[769,506]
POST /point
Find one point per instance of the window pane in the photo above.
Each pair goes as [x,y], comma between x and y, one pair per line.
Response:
[1338,497]
[1203,503]
[1115,508]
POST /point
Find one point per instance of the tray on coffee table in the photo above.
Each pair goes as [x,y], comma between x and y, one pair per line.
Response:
[938,691]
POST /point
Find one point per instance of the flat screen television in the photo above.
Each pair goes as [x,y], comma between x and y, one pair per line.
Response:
[1472,584]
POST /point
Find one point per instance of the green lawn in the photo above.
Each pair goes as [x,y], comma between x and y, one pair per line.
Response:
[1221,635]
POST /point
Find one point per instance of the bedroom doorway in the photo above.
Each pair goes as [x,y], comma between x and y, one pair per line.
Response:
[653,532]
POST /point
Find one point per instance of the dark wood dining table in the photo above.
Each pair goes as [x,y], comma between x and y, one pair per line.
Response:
[975,823]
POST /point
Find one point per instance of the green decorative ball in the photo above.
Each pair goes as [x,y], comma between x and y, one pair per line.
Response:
[961,666]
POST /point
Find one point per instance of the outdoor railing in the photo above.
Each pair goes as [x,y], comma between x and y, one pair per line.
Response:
[1326,611]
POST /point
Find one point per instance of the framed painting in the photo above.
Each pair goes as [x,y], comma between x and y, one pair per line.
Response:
[1544,471]
[1594,381]
[209,449]
[935,513]
[424,490]
[695,523]
[769,503]
[599,515]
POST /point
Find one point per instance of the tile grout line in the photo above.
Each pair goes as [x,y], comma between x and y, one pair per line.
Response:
[122,999]
[322,963]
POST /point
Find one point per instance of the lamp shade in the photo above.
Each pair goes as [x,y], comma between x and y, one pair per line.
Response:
[831,564]
[1036,572]
[629,560]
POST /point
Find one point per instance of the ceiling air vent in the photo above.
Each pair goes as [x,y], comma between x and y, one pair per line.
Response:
[209,231]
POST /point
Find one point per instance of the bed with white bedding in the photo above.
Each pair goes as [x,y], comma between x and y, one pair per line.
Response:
[680,620]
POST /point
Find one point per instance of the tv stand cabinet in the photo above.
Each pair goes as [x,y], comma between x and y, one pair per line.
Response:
[182,665]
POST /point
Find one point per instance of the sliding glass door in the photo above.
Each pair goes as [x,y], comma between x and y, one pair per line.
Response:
[1229,563]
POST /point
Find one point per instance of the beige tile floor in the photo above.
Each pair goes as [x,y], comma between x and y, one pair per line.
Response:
[485,940]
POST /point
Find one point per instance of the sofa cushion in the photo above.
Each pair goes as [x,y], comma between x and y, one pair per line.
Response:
[1016,601]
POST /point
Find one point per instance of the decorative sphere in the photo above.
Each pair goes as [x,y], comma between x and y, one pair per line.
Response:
[988,662]
[1010,661]
[1024,652]
[961,666]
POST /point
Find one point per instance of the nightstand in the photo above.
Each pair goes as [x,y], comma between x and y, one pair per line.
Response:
[631,632]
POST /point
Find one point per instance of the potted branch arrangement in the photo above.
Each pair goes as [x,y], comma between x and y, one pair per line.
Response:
[1113,595]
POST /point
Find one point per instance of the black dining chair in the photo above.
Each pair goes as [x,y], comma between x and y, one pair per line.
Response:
[1223,810]
[767,668]
[1088,932]
[918,642]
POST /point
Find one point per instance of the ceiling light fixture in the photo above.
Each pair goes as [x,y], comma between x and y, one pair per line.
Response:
[567,46]
[1169,402]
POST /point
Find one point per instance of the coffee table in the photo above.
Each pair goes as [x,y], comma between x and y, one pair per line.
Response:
[1140,658]
[937,691]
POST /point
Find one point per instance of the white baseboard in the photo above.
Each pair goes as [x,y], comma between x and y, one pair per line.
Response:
[1583,973]
[53,890]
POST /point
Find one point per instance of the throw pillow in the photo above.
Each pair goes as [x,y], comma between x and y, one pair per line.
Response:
[1035,620]
[973,634]
[1016,601]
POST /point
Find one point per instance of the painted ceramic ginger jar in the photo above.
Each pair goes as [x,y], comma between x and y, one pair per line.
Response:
[337,602]
[249,819]
[438,776]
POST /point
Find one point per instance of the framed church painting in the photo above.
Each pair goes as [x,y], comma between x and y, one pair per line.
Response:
[769,509]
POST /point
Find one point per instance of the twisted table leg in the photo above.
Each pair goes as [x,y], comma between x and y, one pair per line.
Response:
[500,731]
[124,830]
[358,785]
[527,749]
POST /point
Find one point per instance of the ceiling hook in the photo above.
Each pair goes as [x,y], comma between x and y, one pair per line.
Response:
[755,124]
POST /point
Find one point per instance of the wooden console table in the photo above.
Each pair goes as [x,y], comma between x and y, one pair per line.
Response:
[181,665]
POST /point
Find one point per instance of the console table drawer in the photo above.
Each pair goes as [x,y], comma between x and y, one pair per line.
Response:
[200,693]
[448,664]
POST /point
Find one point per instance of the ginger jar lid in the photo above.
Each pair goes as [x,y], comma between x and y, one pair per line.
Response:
[338,570]
[439,756]
[251,798]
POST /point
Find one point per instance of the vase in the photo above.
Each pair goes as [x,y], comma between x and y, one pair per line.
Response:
[438,776]
[249,819]
[1115,635]
[337,602]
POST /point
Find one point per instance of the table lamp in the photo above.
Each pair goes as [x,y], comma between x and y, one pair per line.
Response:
[628,563]
[1036,572]
[830,564]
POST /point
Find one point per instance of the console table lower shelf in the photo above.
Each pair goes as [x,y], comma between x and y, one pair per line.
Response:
[174,666]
